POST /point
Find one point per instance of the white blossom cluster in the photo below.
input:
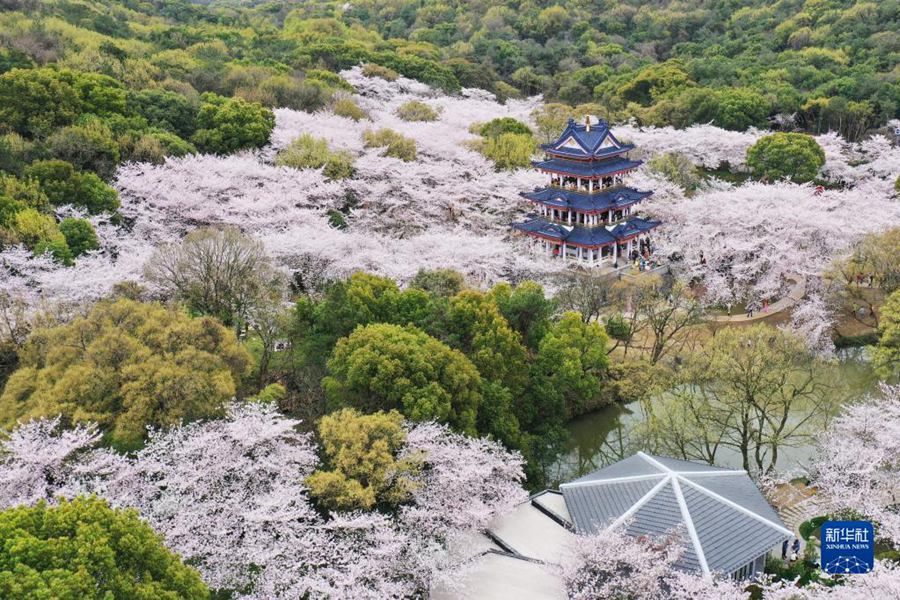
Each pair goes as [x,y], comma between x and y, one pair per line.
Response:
[229,497]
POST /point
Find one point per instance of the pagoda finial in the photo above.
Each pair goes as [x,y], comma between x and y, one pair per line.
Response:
[587,122]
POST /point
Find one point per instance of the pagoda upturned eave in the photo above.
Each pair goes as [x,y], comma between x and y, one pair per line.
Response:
[586,202]
[585,237]
[579,154]
[587,169]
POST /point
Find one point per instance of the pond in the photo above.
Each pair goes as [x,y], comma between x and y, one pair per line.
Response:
[603,437]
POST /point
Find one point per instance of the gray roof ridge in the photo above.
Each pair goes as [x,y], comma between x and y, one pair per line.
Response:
[624,479]
[734,505]
[689,525]
[685,513]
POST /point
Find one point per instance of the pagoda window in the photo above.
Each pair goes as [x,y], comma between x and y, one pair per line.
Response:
[607,182]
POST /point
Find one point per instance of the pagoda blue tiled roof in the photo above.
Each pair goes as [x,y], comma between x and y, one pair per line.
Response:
[611,199]
[585,236]
[583,140]
[590,169]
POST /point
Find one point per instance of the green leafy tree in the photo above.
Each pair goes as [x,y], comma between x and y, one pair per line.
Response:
[387,367]
[503,125]
[654,81]
[35,101]
[415,110]
[34,228]
[84,550]
[740,108]
[225,125]
[58,248]
[568,370]
[786,155]
[9,208]
[166,110]
[346,107]
[362,468]
[525,308]
[80,235]
[887,352]
[551,119]
[62,185]
[127,366]
[443,283]
[308,152]
[88,147]
[25,190]
[16,152]
[100,94]
[394,144]
[474,324]
[509,150]
[677,168]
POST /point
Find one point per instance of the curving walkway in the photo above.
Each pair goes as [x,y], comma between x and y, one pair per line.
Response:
[796,293]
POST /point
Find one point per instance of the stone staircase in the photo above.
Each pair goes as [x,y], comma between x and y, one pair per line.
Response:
[796,513]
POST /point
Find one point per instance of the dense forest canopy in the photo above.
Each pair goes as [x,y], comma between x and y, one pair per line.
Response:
[821,64]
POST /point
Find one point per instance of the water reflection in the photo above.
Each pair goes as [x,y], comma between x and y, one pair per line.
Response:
[606,436]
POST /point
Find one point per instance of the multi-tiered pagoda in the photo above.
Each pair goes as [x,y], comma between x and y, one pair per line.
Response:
[587,213]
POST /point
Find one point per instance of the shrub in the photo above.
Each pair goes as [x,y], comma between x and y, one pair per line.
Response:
[33,228]
[503,125]
[677,168]
[415,110]
[786,155]
[509,150]
[345,107]
[89,147]
[135,147]
[62,184]
[395,144]
[289,92]
[80,235]
[373,70]
[361,453]
[25,190]
[166,110]
[82,548]
[229,124]
[307,152]
[172,145]
[332,80]
[15,153]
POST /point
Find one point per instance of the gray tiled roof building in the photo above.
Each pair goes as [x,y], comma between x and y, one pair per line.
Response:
[726,523]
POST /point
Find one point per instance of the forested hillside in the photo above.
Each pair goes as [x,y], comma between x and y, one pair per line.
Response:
[821,64]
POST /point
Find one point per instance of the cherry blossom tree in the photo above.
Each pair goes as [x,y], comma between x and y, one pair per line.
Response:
[37,458]
[612,565]
[228,496]
[857,466]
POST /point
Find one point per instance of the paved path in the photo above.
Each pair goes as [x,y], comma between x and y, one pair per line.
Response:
[796,514]
[795,294]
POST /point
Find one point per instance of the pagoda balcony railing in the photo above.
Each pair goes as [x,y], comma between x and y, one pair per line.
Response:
[583,190]
[550,219]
